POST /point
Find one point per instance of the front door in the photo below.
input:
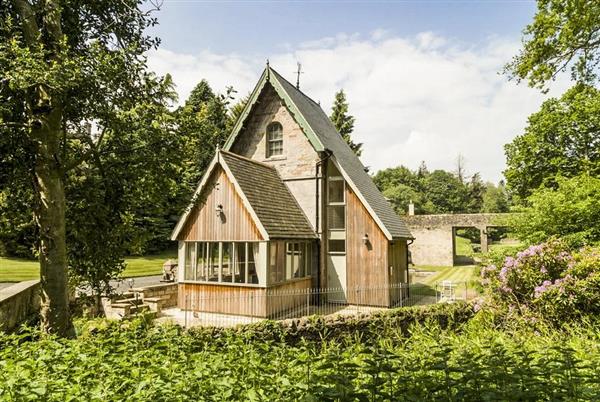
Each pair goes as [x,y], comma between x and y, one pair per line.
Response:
[336,278]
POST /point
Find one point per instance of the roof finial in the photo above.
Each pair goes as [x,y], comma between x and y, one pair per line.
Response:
[298,75]
[268,69]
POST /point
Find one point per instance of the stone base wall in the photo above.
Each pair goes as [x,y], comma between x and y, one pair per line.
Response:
[432,246]
[17,303]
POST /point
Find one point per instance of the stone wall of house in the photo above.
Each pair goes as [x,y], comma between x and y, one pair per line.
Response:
[17,303]
[297,165]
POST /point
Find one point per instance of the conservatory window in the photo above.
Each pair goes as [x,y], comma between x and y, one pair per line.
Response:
[221,262]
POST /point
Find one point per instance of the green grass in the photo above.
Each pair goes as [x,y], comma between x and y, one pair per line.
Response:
[17,269]
[465,273]
[463,246]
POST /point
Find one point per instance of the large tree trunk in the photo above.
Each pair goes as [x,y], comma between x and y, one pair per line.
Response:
[50,216]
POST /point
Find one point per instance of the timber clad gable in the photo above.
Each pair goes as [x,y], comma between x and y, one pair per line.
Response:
[204,224]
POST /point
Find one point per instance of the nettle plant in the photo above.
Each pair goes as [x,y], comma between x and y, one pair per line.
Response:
[546,281]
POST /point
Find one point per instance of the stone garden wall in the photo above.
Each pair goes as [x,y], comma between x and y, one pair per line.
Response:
[17,303]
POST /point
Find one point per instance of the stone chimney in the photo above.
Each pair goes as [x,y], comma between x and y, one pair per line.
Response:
[411,208]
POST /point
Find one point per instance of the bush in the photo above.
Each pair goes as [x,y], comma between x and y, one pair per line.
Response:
[570,211]
[547,281]
[134,360]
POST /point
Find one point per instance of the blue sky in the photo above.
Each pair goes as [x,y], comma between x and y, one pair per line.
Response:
[260,27]
[423,78]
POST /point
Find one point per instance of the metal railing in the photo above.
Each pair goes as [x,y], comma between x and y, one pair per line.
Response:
[230,309]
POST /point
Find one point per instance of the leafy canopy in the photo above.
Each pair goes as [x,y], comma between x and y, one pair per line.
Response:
[564,34]
[563,138]
[570,211]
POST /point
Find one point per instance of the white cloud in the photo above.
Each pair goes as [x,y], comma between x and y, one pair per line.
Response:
[421,98]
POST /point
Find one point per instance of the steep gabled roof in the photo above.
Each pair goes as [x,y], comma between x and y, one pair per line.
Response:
[322,134]
[268,200]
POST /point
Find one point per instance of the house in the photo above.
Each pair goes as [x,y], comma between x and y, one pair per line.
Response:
[285,207]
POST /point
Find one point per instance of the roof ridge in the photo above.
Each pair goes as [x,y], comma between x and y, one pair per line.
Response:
[238,156]
[297,89]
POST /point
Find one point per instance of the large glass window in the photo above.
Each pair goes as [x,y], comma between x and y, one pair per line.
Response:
[223,262]
[336,210]
[274,139]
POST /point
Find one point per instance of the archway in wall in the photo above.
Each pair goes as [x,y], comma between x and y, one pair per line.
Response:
[466,245]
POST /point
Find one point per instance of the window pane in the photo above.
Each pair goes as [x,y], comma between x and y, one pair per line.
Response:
[333,171]
[289,260]
[200,261]
[252,257]
[275,148]
[337,246]
[275,131]
[189,261]
[226,274]
[300,271]
[272,262]
[336,217]
[213,258]
[336,190]
[239,267]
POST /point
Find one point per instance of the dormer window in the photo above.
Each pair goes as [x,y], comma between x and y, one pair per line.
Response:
[274,139]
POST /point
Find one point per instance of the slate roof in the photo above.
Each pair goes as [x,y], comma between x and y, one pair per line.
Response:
[274,205]
[345,157]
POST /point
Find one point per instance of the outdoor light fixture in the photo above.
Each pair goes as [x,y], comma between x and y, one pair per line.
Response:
[219,210]
[365,239]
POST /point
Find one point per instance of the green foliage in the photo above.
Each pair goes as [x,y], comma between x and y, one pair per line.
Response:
[546,282]
[564,33]
[439,191]
[113,361]
[344,122]
[562,139]
[495,198]
[202,124]
[571,211]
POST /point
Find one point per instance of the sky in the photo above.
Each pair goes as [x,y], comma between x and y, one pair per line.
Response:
[423,78]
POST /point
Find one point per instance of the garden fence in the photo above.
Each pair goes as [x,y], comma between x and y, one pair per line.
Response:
[281,304]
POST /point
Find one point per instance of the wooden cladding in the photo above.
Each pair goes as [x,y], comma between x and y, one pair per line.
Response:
[366,264]
[220,214]
[243,300]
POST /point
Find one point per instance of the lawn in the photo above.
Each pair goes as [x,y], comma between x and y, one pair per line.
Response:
[463,273]
[17,270]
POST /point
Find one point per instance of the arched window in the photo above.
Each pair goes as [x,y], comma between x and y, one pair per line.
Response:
[274,139]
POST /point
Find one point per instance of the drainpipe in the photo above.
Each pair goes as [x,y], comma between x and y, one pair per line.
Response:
[408,243]
[318,174]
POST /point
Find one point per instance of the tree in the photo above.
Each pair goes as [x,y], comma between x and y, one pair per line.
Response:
[563,138]
[235,112]
[343,122]
[563,33]
[571,210]
[495,198]
[202,125]
[475,194]
[63,65]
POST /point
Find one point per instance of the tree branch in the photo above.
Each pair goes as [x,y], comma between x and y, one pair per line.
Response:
[28,22]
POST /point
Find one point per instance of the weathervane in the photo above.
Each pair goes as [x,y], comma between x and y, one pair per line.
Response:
[298,75]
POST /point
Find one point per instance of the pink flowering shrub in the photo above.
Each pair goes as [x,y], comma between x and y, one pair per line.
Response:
[546,281]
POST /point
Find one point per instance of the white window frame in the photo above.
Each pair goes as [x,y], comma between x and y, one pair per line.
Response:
[272,141]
